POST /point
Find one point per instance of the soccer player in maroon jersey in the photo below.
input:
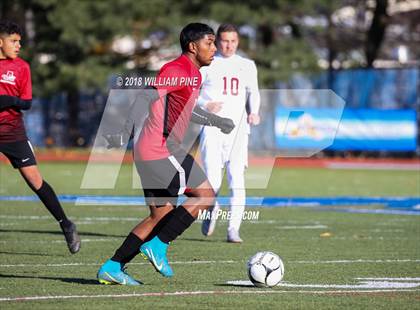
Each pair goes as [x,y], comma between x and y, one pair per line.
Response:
[15,96]
[165,169]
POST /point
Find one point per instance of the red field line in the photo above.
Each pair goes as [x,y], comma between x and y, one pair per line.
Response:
[60,155]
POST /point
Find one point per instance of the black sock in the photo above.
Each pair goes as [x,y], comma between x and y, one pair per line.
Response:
[50,201]
[160,225]
[128,250]
[176,225]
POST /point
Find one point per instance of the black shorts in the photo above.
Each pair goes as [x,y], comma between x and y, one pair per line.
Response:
[19,153]
[165,179]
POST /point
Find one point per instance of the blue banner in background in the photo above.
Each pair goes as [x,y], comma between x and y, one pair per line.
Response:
[370,88]
[358,129]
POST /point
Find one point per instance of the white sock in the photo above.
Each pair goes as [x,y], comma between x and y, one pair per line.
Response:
[237,207]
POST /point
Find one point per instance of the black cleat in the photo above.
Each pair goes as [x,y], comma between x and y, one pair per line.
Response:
[72,237]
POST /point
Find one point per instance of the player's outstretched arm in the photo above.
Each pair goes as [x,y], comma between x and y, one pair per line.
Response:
[14,102]
[202,117]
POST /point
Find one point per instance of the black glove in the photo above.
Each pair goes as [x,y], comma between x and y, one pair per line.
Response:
[202,117]
[225,125]
[116,140]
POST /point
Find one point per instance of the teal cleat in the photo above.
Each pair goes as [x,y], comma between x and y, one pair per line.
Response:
[114,273]
[155,251]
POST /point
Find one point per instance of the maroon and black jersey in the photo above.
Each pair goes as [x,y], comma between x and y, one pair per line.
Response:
[15,80]
[178,84]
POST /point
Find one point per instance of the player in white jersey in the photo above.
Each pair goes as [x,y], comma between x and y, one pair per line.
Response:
[229,89]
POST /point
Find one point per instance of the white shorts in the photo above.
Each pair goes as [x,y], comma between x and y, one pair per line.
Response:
[217,148]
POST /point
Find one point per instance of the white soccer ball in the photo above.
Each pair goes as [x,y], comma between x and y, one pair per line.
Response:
[265,269]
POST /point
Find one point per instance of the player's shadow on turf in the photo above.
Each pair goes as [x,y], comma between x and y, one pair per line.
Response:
[57,232]
[67,280]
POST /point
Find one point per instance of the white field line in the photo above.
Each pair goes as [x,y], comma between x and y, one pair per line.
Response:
[357,261]
[10,224]
[374,284]
[25,217]
[89,220]
[119,239]
[106,219]
[116,239]
[93,219]
[198,293]
[389,279]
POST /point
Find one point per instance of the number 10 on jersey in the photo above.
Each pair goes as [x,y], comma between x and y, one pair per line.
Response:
[234,86]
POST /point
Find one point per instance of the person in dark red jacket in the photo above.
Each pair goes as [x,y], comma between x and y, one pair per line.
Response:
[15,96]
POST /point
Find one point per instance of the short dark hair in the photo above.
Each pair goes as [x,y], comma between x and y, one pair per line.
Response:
[7,28]
[192,33]
[226,28]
